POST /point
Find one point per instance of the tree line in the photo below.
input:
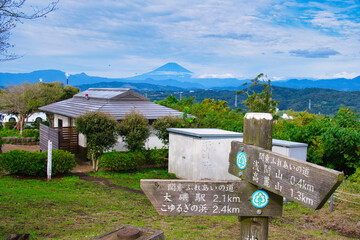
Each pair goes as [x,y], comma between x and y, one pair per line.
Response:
[332,142]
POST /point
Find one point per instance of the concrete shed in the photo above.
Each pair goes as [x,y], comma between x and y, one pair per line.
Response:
[203,153]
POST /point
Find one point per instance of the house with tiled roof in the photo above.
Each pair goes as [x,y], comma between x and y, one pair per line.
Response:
[116,101]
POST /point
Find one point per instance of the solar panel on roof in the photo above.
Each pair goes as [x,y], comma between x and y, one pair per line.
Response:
[104,94]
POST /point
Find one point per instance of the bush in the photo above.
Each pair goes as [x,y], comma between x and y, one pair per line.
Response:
[101,134]
[35,163]
[134,129]
[1,143]
[122,161]
[10,125]
[62,162]
[161,124]
[356,176]
[31,133]
[158,157]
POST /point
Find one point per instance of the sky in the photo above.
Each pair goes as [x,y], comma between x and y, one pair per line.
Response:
[213,38]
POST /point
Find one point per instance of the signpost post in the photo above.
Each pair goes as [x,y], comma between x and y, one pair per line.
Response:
[258,132]
[210,198]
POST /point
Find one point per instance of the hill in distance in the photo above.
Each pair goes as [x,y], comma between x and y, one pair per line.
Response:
[170,75]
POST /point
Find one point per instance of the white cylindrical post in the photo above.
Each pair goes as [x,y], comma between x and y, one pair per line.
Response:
[49,162]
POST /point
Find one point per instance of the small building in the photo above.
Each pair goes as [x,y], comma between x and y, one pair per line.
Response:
[203,153]
[116,101]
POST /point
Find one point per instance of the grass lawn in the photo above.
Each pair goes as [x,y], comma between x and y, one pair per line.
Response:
[71,208]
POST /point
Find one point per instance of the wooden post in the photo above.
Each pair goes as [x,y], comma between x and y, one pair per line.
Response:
[258,132]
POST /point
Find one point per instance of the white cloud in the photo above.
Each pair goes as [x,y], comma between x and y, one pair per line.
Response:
[226,75]
[340,75]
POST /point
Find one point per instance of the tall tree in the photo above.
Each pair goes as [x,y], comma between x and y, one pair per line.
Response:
[260,101]
[25,99]
[54,92]
[11,13]
[20,100]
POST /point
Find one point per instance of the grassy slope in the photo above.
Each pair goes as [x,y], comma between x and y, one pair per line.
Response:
[70,208]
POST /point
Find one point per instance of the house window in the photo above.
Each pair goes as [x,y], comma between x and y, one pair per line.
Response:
[60,123]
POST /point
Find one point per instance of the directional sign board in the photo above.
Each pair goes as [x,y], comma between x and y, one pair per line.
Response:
[306,183]
[210,198]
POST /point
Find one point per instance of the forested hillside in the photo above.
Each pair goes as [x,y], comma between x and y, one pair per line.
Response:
[323,101]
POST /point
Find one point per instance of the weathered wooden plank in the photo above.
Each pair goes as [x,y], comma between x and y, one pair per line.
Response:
[193,198]
[306,183]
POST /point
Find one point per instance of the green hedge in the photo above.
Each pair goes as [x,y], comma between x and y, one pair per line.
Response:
[35,163]
[158,157]
[120,161]
[10,125]
[31,133]
[123,161]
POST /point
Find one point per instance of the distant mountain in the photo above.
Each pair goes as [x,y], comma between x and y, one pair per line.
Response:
[168,71]
[33,77]
[341,84]
[170,75]
[135,86]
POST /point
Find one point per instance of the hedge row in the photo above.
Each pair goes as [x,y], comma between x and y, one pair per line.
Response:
[123,161]
[35,163]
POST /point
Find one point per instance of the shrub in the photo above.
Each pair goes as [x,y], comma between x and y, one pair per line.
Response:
[10,125]
[355,177]
[1,143]
[134,129]
[101,134]
[31,133]
[161,124]
[1,126]
[35,163]
[62,162]
[122,161]
[158,157]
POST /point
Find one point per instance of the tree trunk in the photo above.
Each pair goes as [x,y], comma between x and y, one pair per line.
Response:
[50,119]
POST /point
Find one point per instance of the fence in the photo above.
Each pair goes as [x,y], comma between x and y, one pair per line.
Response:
[48,133]
[64,138]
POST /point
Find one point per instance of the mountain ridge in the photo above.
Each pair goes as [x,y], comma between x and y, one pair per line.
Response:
[172,75]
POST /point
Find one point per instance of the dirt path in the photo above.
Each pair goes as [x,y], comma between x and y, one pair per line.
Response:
[104,181]
[9,147]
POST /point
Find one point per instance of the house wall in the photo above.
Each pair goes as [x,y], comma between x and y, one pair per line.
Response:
[66,121]
[152,142]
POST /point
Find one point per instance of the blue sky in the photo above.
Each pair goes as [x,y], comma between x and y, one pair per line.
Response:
[212,38]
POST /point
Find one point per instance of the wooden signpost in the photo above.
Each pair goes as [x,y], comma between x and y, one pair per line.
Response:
[308,184]
[210,198]
[269,177]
